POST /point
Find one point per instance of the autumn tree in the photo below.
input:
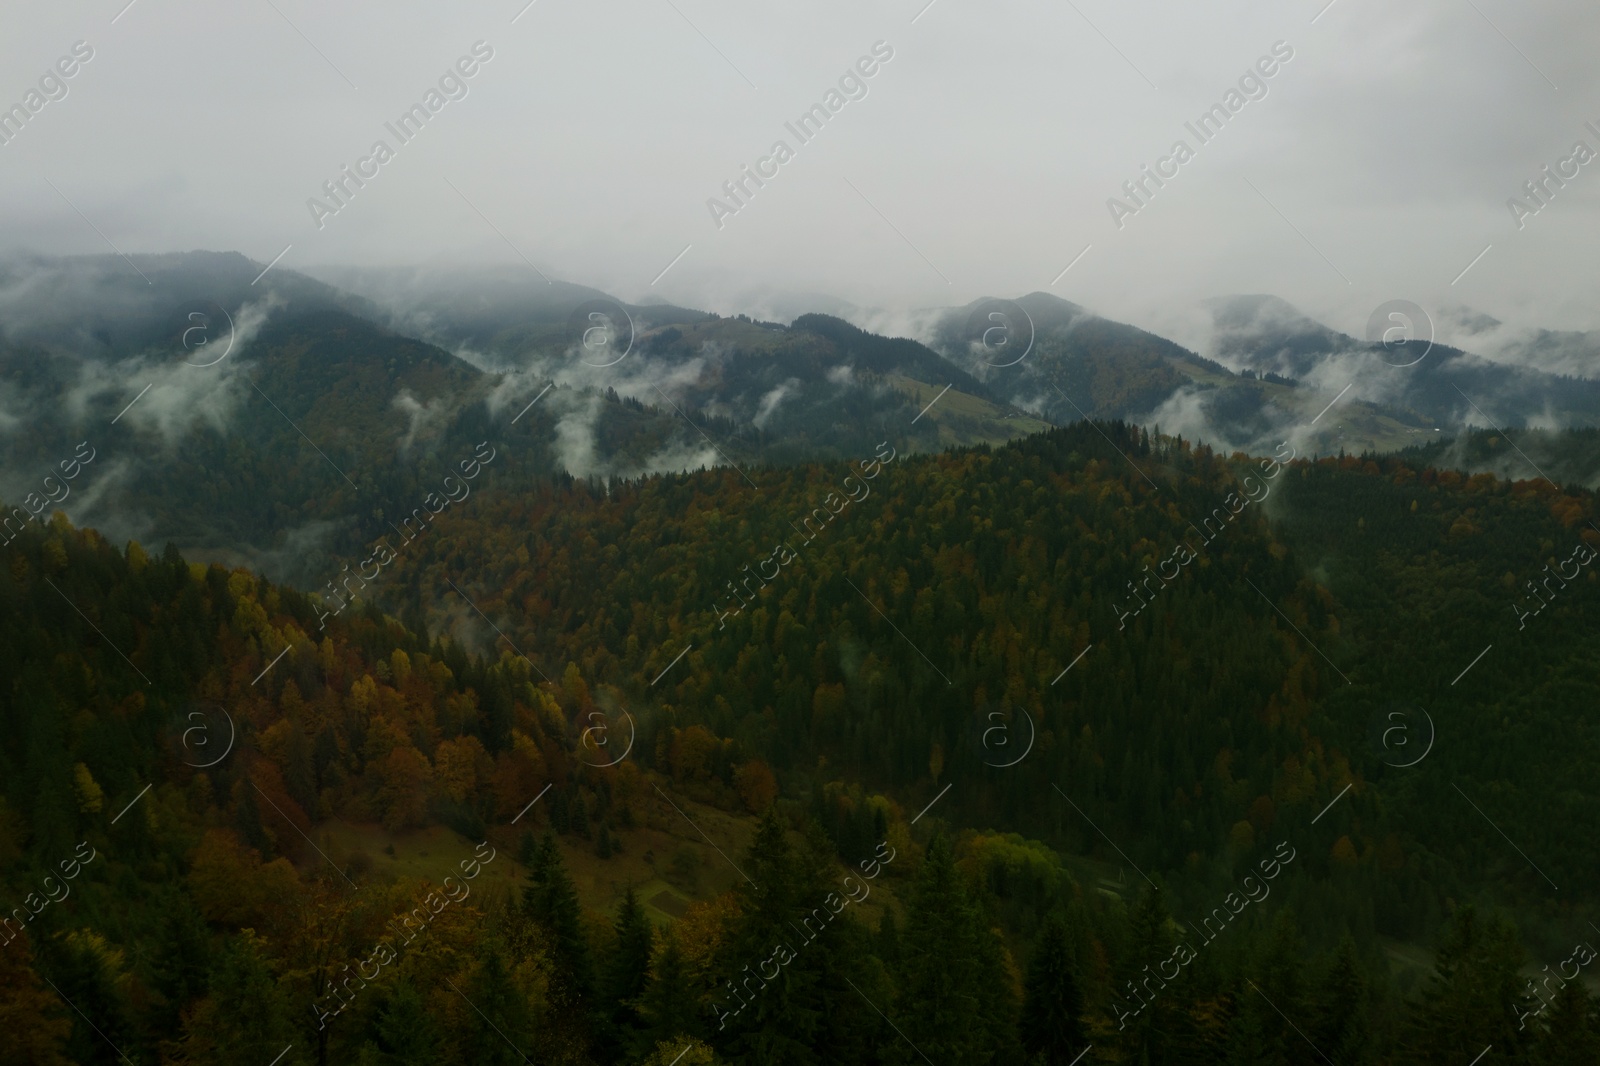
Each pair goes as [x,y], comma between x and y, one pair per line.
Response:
[32,1017]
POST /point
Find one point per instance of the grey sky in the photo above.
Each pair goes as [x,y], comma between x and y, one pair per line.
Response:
[991,142]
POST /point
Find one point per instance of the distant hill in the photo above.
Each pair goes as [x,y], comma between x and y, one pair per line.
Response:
[278,422]
[1436,382]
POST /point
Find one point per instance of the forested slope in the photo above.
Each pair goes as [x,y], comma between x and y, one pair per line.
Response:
[1163,666]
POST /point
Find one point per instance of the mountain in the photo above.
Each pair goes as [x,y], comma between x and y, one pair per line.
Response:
[806,390]
[1573,353]
[1065,362]
[1427,381]
[1273,375]
[869,643]
[275,421]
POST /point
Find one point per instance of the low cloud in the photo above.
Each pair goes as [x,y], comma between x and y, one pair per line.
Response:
[180,394]
[769,403]
[420,417]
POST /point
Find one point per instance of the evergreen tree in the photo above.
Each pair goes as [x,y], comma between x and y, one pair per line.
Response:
[407,1034]
[849,981]
[78,964]
[1051,1027]
[247,818]
[551,902]
[245,1018]
[181,961]
[1570,1035]
[627,971]
[527,849]
[32,1017]
[953,988]
[500,1025]
[1272,1002]
[1144,1005]
[767,1005]
[668,1010]
[1474,997]
[1340,1025]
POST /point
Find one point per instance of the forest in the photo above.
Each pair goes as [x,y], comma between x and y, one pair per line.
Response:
[925,800]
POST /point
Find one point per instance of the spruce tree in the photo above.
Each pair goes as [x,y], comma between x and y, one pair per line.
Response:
[1272,1008]
[551,903]
[1340,1025]
[1474,997]
[1143,1005]
[407,1034]
[1051,1027]
[500,1025]
[1570,1035]
[953,989]
[180,963]
[767,1009]
[668,1010]
[627,971]
[244,1019]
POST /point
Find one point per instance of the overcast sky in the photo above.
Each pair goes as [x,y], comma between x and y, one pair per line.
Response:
[980,161]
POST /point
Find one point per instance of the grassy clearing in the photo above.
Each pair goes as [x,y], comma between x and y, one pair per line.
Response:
[966,419]
[665,859]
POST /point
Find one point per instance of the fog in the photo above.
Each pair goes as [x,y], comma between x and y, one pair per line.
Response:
[978,159]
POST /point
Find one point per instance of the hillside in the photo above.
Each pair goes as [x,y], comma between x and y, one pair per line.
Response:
[861,693]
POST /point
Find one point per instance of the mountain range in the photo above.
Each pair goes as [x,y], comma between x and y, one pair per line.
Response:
[275,419]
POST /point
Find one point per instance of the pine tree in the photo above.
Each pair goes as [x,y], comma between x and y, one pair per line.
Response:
[1051,1028]
[1272,1002]
[668,1010]
[500,1026]
[551,902]
[627,971]
[848,980]
[180,962]
[527,849]
[1474,996]
[1143,1005]
[247,818]
[407,1034]
[1340,1025]
[771,1019]
[245,1018]
[952,987]
[1571,1033]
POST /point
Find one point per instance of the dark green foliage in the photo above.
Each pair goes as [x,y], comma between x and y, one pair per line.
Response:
[550,901]
[1272,1004]
[669,1009]
[768,1009]
[1194,736]
[500,1027]
[408,1035]
[954,1000]
[1570,1035]
[249,1020]
[1341,1025]
[627,971]
[1475,997]
[1051,1027]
